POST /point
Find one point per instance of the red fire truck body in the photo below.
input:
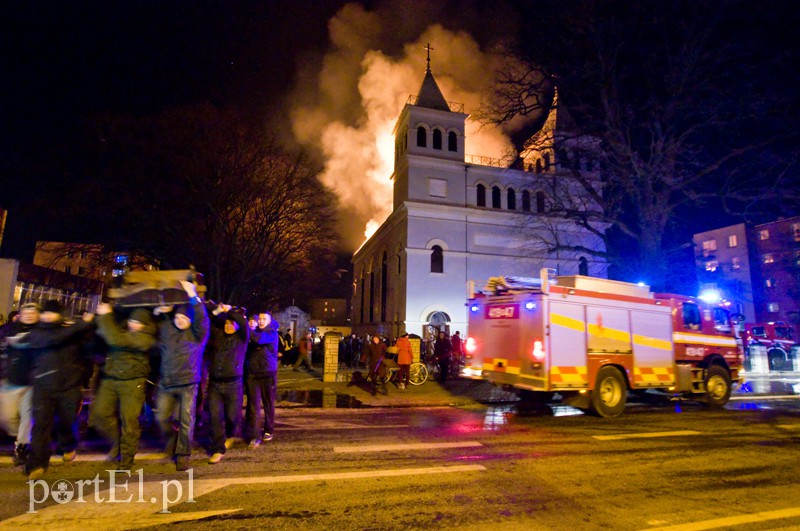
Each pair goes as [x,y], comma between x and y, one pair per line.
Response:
[778,340]
[592,340]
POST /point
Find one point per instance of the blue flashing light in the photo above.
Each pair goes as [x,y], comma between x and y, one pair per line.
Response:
[710,295]
[474,308]
[530,305]
[641,283]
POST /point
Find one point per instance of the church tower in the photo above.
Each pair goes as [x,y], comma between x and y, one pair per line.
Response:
[429,134]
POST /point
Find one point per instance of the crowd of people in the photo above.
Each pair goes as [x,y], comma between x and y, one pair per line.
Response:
[47,363]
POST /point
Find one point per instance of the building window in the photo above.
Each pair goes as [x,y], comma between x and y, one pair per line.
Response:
[81,270]
[372,296]
[452,142]
[437,259]
[437,139]
[767,258]
[512,199]
[709,246]
[384,284]
[763,234]
[583,266]
[84,254]
[422,137]
[773,307]
[733,241]
[769,282]
[495,197]
[68,270]
[538,165]
[712,265]
[481,189]
[526,201]
[796,231]
[736,263]
[70,255]
[540,202]
[546,161]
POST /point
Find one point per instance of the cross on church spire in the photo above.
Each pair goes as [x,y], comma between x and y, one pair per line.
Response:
[428,47]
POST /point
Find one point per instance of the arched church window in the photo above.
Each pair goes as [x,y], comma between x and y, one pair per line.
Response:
[437,139]
[538,165]
[437,259]
[422,137]
[452,141]
[372,296]
[540,202]
[481,195]
[546,161]
[512,199]
[583,266]
[495,197]
[384,284]
[526,201]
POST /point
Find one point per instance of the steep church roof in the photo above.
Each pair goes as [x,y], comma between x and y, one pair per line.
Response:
[429,94]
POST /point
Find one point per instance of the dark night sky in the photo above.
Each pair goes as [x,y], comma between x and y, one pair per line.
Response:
[63,60]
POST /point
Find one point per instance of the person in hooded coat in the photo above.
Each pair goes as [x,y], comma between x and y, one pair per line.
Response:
[120,397]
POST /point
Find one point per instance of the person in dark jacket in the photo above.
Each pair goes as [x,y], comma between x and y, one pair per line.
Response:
[120,397]
[183,333]
[16,393]
[262,380]
[57,374]
[442,350]
[229,338]
[375,352]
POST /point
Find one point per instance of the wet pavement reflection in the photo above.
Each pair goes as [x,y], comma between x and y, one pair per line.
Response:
[323,398]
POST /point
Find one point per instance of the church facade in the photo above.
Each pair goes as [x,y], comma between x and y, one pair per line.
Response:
[456,221]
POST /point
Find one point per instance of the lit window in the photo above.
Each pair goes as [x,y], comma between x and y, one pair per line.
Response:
[736,263]
[709,246]
[769,282]
[773,307]
[767,258]
[763,234]
[712,265]
[733,241]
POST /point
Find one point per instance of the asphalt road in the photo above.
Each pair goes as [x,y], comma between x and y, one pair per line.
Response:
[668,465]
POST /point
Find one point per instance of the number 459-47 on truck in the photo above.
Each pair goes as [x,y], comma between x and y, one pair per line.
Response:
[594,340]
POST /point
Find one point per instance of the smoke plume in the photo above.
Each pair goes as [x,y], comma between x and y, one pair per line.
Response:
[347,103]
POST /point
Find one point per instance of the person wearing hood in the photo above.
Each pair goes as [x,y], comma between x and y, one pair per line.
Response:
[262,379]
[229,338]
[183,333]
[58,370]
[16,392]
[120,397]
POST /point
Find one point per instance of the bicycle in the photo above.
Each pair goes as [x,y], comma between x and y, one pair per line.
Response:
[454,371]
[417,373]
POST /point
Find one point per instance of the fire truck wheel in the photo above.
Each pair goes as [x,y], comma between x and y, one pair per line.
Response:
[777,359]
[610,393]
[718,386]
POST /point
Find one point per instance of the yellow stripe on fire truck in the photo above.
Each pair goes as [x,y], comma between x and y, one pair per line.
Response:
[703,339]
[568,375]
[567,322]
[610,333]
[652,342]
[501,365]
[664,375]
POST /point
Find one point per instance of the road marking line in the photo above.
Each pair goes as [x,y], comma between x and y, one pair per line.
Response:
[99,515]
[789,426]
[403,447]
[316,427]
[732,521]
[56,460]
[645,435]
[764,397]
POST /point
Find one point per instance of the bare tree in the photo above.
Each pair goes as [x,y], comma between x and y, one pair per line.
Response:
[671,115]
[206,187]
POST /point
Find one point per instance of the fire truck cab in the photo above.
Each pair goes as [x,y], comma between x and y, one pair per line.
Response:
[777,338]
[593,340]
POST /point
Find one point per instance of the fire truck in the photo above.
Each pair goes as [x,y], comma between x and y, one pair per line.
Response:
[778,340]
[593,341]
